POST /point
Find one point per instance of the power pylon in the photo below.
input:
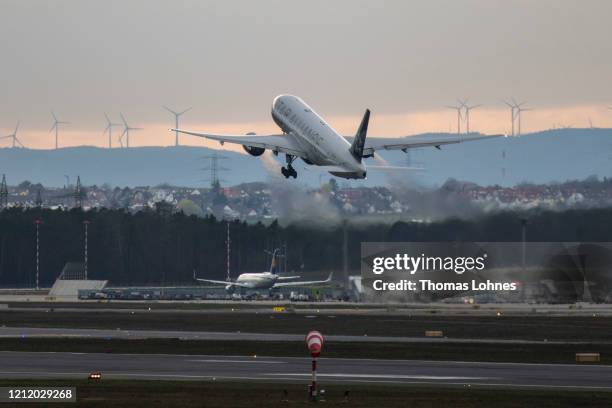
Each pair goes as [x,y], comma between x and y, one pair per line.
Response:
[215,168]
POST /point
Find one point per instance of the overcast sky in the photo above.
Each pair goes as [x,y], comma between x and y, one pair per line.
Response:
[405,60]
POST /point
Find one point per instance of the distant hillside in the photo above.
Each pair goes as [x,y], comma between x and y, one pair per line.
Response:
[543,157]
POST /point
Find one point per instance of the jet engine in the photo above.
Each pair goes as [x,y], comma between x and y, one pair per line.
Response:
[230,289]
[253,151]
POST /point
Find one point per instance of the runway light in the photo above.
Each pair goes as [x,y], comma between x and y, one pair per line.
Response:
[95,376]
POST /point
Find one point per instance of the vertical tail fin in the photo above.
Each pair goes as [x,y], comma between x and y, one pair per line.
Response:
[274,264]
[359,141]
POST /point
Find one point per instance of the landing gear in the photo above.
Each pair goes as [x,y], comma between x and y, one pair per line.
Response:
[289,171]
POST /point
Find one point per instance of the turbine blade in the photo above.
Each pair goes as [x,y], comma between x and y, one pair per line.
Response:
[169,110]
[186,110]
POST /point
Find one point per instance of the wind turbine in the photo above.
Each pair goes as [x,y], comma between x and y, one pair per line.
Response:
[109,129]
[518,108]
[126,131]
[512,114]
[458,109]
[55,126]
[14,137]
[467,114]
[176,121]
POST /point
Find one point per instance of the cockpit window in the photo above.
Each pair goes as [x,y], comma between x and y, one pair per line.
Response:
[307,110]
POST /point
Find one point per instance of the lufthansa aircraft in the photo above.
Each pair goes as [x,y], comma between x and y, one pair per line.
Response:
[306,135]
[264,280]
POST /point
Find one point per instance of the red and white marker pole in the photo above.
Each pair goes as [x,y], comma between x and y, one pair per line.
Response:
[314,342]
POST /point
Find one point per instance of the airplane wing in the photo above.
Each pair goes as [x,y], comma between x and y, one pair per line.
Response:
[223,282]
[304,283]
[408,142]
[276,143]
[287,277]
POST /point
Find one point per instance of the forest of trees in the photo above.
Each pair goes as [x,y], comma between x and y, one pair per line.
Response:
[165,247]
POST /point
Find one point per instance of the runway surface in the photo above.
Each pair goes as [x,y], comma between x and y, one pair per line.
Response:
[16,365]
[41,303]
[204,335]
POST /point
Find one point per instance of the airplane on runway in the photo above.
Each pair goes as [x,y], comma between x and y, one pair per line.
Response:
[306,135]
[264,280]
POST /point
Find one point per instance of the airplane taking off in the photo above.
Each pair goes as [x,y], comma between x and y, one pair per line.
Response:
[263,280]
[307,136]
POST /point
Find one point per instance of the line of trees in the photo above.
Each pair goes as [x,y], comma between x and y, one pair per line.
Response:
[165,247]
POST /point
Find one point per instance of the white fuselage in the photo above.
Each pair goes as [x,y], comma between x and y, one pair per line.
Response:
[263,280]
[322,144]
